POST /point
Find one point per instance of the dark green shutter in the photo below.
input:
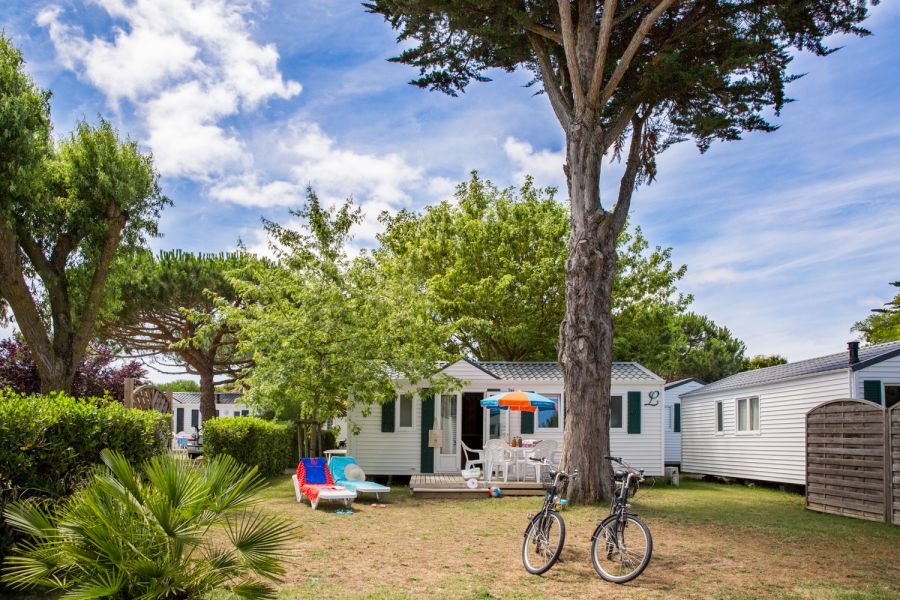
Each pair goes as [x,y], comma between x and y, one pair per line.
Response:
[387,416]
[195,419]
[634,412]
[678,418]
[179,420]
[427,462]
[527,424]
[872,390]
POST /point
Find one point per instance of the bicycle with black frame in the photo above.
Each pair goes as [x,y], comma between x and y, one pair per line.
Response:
[546,532]
[621,546]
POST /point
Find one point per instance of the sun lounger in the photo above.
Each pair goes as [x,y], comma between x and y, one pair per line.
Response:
[338,466]
[313,480]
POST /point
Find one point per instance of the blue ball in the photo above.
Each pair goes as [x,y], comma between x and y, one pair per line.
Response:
[494,492]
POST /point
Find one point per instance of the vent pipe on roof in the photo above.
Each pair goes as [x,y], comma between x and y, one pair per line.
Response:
[853,352]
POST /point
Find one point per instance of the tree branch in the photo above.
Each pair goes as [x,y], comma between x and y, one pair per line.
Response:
[626,184]
[545,33]
[568,35]
[14,289]
[115,222]
[609,11]
[560,104]
[637,39]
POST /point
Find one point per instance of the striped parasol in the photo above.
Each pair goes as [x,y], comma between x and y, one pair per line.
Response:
[524,401]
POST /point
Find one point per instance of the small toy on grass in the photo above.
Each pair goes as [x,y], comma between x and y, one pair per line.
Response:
[494,492]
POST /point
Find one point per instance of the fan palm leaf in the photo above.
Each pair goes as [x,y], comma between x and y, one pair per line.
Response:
[149,533]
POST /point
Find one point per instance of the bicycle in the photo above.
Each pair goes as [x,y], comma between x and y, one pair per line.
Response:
[546,533]
[616,559]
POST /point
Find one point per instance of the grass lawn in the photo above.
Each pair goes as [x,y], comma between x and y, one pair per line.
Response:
[710,541]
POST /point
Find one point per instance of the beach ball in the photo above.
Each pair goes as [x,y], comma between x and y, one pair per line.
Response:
[494,492]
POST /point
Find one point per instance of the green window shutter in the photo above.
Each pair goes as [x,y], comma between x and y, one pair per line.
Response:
[427,454]
[634,412]
[179,420]
[872,390]
[527,424]
[195,419]
[387,416]
[678,418]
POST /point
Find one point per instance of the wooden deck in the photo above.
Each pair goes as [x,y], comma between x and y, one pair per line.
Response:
[453,486]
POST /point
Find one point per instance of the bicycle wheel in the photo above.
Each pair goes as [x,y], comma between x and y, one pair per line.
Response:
[621,551]
[544,539]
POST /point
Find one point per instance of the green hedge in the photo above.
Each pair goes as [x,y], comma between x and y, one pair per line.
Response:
[48,442]
[269,445]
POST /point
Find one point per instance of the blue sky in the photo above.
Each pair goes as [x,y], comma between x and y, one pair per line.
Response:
[789,237]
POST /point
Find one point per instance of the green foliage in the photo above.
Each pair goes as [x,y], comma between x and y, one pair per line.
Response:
[705,350]
[179,385]
[269,446]
[24,125]
[66,210]
[148,533]
[706,70]
[324,331]
[491,266]
[47,443]
[883,325]
[178,322]
[761,361]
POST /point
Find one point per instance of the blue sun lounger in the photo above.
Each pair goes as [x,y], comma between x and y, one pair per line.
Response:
[338,464]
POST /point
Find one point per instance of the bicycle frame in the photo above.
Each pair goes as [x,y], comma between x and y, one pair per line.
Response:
[619,506]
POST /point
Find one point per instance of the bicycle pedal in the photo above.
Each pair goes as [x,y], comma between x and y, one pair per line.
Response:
[529,516]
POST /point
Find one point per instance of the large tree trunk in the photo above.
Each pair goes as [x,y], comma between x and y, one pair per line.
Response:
[585,341]
[59,376]
[207,394]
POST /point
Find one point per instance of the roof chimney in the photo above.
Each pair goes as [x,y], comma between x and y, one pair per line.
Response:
[853,352]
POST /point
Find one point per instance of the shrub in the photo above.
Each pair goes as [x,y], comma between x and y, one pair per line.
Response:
[145,533]
[47,443]
[268,445]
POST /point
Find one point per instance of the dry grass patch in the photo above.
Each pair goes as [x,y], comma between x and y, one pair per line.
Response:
[710,541]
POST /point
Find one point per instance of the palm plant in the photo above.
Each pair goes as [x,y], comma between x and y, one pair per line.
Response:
[174,530]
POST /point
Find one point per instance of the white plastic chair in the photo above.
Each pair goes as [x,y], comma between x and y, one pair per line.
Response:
[545,449]
[468,453]
[497,456]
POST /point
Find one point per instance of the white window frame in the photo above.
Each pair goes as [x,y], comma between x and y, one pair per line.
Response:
[624,406]
[559,414]
[737,418]
[719,408]
[412,411]
[669,416]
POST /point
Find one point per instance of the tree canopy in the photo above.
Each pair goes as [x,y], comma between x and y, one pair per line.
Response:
[490,267]
[66,210]
[883,325]
[167,311]
[98,374]
[326,331]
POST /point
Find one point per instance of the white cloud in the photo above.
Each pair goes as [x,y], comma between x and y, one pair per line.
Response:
[185,65]
[544,165]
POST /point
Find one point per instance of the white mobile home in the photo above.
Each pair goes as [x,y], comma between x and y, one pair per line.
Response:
[393,438]
[672,415]
[186,409]
[752,425]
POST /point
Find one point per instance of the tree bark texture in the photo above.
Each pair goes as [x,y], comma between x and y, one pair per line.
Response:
[585,348]
[207,394]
